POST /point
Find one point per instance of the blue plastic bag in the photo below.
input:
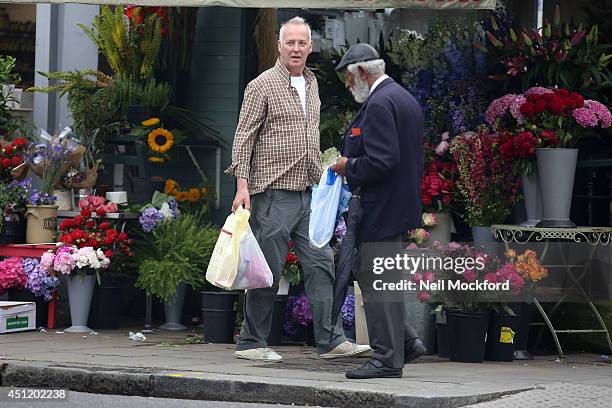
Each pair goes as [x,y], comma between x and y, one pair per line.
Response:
[324,208]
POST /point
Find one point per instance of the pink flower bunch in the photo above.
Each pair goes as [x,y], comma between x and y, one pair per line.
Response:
[507,103]
[592,114]
[12,274]
[96,204]
[64,261]
[507,272]
[538,90]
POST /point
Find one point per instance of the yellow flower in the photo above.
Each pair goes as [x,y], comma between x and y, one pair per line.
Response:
[511,253]
[160,140]
[181,196]
[156,159]
[193,195]
[170,187]
[150,122]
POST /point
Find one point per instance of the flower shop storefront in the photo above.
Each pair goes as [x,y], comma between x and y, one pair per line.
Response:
[497,98]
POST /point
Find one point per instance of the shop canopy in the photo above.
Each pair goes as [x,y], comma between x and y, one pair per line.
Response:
[324,4]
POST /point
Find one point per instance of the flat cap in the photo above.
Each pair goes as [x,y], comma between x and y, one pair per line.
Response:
[359,52]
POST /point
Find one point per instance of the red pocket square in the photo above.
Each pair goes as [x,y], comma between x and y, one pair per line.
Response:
[356,132]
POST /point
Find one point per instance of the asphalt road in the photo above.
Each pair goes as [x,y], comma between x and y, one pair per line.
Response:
[85,400]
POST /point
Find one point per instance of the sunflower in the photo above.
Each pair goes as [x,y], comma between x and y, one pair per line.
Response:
[150,122]
[156,159]
[193,195]
[170,187]
[160,140]
[181,196]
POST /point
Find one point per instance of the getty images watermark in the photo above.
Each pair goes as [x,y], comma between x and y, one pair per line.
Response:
[410,264]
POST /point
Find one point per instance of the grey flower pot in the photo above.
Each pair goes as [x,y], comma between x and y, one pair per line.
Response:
[556,171]
[174,310]
[533,200]
[482,236]
[80,293]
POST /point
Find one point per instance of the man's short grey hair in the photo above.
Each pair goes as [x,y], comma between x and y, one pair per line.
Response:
[373,67]
[297,21]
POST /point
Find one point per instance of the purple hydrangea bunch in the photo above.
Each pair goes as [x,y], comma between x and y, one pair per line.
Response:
[340,230]
[302,313]
[348,312]
[31,195]
[150,219]
[40,198]
[39,282]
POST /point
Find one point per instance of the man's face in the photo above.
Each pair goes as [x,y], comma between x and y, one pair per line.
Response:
[357,84]
[294,47]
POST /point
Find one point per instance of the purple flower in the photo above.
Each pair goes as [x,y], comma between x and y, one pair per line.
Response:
[150,219]
[348,312]
[39,283]
[340,229]
[302,312]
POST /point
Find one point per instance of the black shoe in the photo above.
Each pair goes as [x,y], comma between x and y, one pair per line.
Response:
[374,369]
[413,349]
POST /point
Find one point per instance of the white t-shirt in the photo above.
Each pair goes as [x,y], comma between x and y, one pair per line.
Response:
[299,83]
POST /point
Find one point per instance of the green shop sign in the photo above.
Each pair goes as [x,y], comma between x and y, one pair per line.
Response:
[17,322]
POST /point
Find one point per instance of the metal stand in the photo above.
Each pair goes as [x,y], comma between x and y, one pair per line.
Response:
[592,236]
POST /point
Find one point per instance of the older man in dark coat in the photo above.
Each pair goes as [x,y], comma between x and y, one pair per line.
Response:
[382,158]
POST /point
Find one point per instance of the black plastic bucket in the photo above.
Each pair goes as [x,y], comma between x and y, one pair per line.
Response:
[275,338]
[442,339]
[467,332]
[219,325]
[500,338]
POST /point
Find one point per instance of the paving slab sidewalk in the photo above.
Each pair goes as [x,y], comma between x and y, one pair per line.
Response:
[167,365]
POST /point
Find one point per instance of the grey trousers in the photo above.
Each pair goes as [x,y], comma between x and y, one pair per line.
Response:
[278,216]
[388,329]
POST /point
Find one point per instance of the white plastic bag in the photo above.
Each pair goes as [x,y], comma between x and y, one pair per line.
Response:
[253,270]
[324,208]
[223,266]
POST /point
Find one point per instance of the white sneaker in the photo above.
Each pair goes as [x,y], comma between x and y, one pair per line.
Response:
[261,354]
[345,349]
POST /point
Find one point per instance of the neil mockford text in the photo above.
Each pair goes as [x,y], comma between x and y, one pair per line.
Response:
[411,264]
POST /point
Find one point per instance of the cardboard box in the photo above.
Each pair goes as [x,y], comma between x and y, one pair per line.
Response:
[17,316]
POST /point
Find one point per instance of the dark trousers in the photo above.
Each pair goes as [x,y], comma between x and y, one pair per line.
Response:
[384,309]
[278,216]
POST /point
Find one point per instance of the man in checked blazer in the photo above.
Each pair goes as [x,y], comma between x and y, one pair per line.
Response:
[382,157]
[276,159]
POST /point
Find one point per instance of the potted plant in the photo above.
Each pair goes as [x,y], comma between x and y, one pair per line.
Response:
[89,245]
[548,124]
[174,252]
[13,203]
[487,185]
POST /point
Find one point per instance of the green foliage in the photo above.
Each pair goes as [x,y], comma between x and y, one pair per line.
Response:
[131,49]
[90,100]
[177,251]
[126,91]
[8,124]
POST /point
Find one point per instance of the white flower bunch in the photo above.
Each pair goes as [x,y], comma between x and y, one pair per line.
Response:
[88,257]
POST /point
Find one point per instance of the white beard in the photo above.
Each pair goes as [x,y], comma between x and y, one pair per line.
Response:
[360,90]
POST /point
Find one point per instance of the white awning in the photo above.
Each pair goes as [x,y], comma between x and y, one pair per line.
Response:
[324,4]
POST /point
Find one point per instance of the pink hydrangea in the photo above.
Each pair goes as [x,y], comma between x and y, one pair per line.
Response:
[417,277]
[585,117]
[11,274]
[429,277]
[500,106]
[46,261]
[63,263]
[601,111]
[423,296]
[516,283]
[538,90]
[490,277]
[469,275]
